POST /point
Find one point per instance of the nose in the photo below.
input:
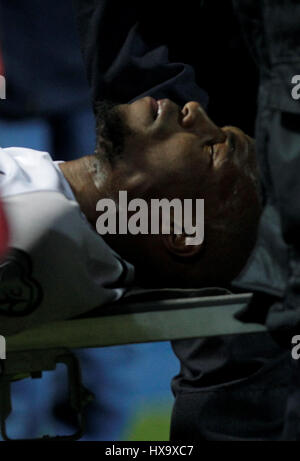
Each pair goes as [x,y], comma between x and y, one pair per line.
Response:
[195,119]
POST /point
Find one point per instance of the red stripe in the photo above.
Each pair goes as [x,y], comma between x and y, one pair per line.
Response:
[3,232]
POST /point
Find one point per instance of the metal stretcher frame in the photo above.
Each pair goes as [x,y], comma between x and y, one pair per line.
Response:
[33,351]
[149,321]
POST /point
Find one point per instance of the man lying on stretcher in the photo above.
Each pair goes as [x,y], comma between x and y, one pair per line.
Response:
[150,149]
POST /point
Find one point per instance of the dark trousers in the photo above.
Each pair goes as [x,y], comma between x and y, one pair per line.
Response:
[272,29]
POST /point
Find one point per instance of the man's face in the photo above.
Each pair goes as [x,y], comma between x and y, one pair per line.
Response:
[168,151]
[155,149]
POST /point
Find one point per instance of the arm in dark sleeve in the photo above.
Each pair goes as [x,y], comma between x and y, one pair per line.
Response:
[125,59]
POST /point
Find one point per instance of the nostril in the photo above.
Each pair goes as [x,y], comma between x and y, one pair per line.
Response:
[184,111]
[181,114]
[188,116]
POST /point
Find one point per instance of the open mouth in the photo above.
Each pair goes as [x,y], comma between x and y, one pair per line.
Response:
[154,108]
[157,107]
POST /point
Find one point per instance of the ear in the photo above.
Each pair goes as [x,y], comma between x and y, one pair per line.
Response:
[179,245]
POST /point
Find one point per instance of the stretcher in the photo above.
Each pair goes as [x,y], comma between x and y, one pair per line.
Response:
[141,316]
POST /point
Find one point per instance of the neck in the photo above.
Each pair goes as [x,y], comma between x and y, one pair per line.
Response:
[86,182]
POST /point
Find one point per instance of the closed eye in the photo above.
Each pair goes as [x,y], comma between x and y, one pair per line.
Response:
[212,152]
[231,140]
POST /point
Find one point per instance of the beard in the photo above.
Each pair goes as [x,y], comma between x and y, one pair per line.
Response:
[111,131]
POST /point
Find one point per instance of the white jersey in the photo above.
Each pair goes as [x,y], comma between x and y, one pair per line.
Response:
[58,266]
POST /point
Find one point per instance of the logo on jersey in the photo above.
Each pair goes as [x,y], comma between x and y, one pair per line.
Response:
[20,293]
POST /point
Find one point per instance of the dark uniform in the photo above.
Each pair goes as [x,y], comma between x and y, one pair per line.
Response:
[272,29]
